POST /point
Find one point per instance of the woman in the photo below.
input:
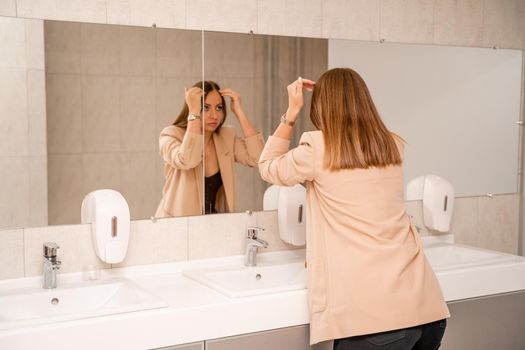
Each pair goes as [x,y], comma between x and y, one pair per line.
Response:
[181,148]
[369,284]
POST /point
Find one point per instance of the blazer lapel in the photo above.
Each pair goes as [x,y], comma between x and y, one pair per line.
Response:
[225,159]
[198,171]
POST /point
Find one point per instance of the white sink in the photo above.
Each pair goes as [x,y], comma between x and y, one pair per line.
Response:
[453,255]
[443,254]
[241,281]
[31,306]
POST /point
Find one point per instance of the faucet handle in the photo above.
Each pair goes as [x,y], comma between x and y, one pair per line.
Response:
[57,264]
[50,249]
[252,231]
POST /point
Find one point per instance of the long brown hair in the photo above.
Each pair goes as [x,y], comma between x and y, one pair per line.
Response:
[209,86]
[354,134]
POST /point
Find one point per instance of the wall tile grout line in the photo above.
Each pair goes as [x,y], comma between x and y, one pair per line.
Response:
[24,252]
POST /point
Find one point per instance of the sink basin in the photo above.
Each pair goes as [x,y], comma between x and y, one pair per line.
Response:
[241,281]
[441,255]
[24,307]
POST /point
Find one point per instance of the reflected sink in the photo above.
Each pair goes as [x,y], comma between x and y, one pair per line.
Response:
[24,307]
[241,281]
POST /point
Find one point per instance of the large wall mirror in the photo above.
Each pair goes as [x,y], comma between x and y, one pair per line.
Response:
[458,108]
[111,89]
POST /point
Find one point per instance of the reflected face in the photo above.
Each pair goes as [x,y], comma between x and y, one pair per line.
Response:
[212,111]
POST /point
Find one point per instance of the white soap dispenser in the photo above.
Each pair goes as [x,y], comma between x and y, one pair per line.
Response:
[291,214]
[438,203]
[108,213]
[271,198]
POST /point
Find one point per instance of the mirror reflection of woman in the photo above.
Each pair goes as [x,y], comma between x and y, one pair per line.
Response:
[181,148]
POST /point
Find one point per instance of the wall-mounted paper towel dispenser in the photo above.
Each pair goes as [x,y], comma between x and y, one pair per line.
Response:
[437,195]
[290,203]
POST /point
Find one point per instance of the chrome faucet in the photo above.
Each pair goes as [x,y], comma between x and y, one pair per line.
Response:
[51,265]
[252,244]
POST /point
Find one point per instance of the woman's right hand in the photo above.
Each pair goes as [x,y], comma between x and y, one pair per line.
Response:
[295,96]
[193,98]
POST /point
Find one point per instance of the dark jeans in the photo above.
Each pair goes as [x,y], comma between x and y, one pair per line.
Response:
[424,337]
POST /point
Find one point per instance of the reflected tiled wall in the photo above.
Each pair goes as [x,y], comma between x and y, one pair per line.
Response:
[110,90]
[23,160]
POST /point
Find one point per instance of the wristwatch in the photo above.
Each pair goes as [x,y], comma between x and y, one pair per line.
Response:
[193,117]
[286,121]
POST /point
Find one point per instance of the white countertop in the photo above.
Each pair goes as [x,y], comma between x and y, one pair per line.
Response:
[197,313]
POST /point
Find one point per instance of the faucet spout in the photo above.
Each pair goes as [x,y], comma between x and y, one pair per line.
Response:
[50,266]
[252,245]
[257,242]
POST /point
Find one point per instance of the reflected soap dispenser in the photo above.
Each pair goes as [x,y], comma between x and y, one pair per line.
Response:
[108,213]
[438,203]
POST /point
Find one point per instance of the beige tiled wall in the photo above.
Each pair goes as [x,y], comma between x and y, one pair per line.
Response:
[503,23]
[8,8]
[477,221]
[75,252]
[460,22]
[490,223]
[163,13]
[352,19]
[276,17]
[409,20]
[93,11]
[162,241]
[498,223]
[457,22]
[152,243]
[12,254]
[22,123]
[226,15]
[216,235]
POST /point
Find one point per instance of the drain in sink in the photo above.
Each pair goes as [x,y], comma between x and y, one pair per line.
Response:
[258,276]
[54,301]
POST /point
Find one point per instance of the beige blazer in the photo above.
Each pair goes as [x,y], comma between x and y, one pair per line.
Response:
[367,272]
[181,152]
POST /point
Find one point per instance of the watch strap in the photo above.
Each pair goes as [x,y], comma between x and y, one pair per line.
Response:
[286,121]
[193,117]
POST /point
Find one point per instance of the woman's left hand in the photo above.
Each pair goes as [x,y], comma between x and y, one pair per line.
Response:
[235,99]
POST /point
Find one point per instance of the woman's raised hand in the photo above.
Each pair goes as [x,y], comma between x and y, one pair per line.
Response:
[193,98]
[296,97]
[235,97]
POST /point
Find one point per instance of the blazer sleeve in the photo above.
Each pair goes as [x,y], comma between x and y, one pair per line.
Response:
[280,166]
[185,153]
[248,150]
